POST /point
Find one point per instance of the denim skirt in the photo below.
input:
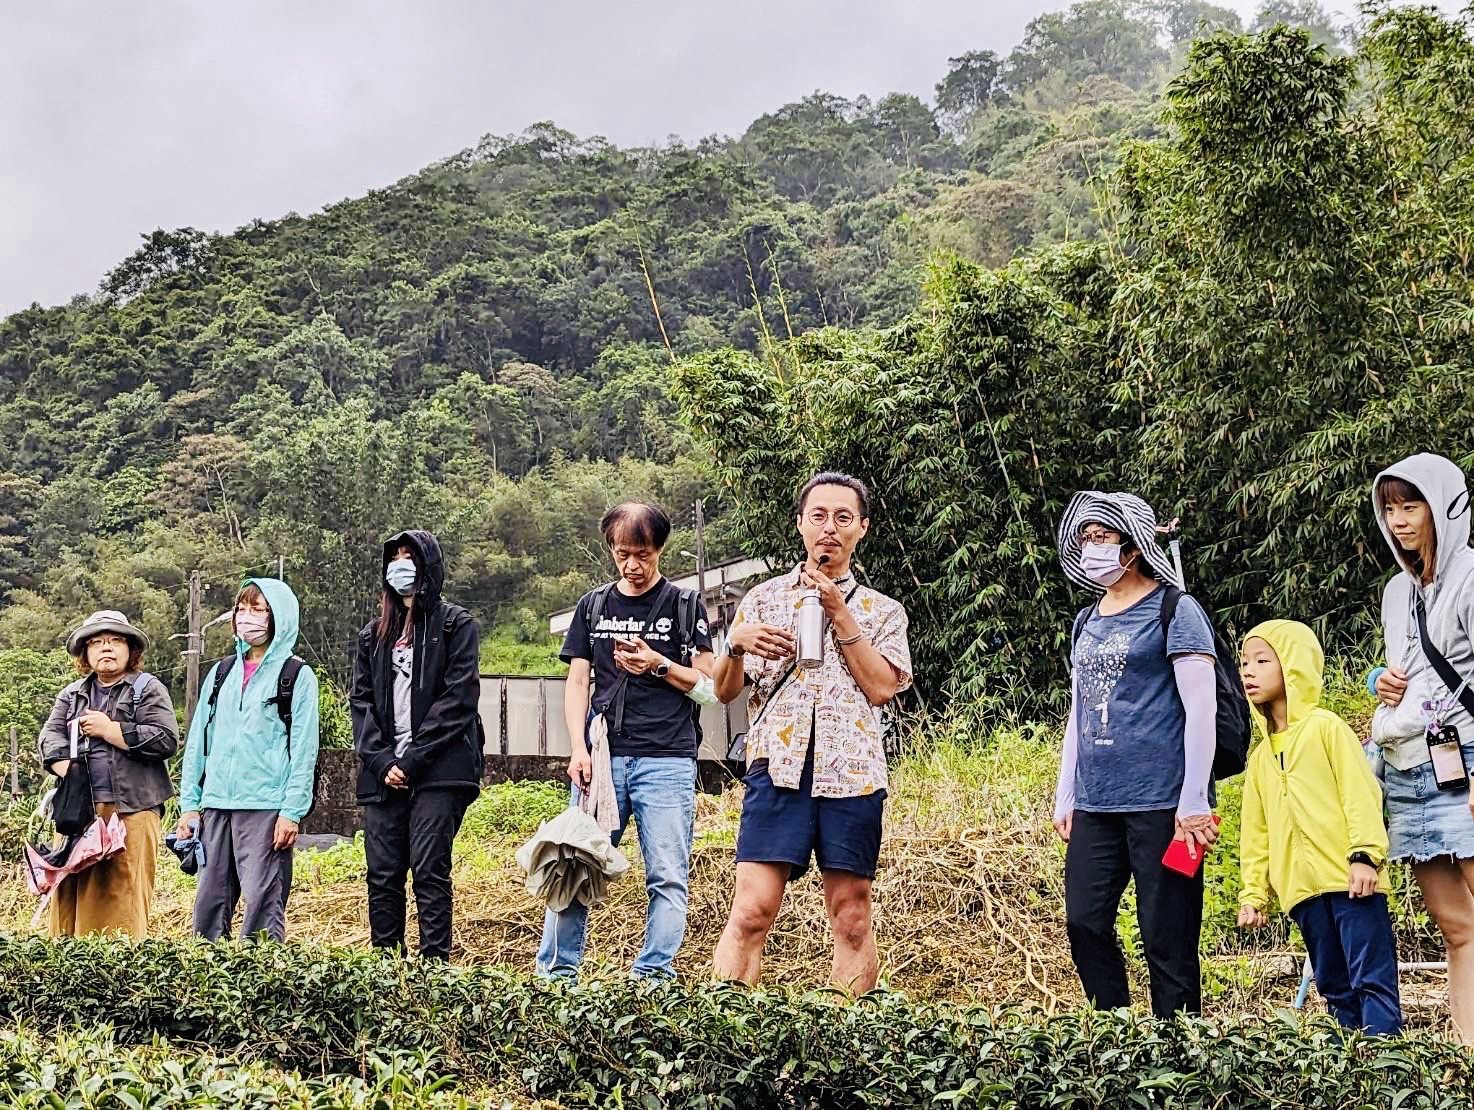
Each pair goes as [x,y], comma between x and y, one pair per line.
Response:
[1424,822]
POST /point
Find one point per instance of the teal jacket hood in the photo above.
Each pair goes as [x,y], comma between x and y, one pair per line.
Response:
[286,619]
[237,754]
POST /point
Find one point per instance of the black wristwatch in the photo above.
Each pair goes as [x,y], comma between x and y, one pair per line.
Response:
[1362,857]
[662,668]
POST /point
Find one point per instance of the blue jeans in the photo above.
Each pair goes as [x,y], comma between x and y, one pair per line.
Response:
[660,794]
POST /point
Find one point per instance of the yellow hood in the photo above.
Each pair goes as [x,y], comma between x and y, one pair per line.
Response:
[1302,661]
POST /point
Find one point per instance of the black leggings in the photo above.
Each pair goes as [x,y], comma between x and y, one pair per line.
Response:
[1107,850]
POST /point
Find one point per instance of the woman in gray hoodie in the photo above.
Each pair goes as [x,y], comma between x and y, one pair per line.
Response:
[1424,725]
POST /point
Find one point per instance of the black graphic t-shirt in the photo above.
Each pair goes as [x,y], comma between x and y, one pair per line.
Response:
[657,716]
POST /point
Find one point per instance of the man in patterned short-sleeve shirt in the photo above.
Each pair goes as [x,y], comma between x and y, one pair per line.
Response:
[816,773]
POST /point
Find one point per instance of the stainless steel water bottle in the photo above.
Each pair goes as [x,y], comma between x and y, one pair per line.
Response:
[810,630]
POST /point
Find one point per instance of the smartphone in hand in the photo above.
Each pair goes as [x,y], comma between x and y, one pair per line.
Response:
[1177,857]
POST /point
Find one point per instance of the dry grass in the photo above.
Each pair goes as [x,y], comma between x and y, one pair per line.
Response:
[969,899]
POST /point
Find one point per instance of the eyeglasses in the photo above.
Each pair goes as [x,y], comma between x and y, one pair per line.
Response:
[1099,535]
[107,641]
[820,517]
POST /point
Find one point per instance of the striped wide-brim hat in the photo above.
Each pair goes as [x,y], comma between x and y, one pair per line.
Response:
[1122,512]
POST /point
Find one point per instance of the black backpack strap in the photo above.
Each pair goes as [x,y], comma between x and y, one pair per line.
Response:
[1169,609]
[686,624]
[286,686]
[222,670]
[689,611]
[1445,670]
[1080,618]
[598,602]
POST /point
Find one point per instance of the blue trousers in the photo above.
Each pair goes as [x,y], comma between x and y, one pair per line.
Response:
[660,794]
[1354,958]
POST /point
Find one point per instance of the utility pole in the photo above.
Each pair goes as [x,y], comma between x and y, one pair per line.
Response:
[281,567]
[195,647]
[700,553]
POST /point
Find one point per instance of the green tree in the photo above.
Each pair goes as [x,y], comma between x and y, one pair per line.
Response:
[1093,38]
[971,84]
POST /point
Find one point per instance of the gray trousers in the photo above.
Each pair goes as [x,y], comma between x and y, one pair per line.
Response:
[240,863]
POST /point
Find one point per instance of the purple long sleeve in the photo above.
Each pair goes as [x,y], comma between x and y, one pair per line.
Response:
[1064,790]
[1198,690]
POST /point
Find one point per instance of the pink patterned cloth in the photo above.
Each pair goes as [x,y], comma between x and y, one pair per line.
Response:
[44,870]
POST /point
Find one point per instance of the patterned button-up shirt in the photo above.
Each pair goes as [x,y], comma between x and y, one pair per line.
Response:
[823,706]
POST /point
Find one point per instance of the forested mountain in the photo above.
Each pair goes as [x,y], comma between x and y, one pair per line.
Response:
[485,348]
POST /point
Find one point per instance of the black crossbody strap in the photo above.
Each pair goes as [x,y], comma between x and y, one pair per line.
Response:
[761,713]
[1440,663]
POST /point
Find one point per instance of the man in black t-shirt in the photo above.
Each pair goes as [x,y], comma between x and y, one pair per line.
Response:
[648,650]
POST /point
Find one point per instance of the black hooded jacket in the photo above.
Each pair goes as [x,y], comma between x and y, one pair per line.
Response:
[446,749]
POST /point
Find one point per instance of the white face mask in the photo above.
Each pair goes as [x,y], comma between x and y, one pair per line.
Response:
[401,575]
[1101,563]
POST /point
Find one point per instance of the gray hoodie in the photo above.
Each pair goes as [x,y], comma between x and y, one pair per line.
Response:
[1449,600]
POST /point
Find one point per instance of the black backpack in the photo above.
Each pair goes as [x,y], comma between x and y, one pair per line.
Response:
[286,685]
[686,617]
[1232,726]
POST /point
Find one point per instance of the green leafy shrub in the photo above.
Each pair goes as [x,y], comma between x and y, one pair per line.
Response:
[335,726]
[624,1042]
[92,1070]
[513,809]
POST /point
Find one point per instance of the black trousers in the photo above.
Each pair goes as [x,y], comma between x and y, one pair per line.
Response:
[412,831]
[1106,850]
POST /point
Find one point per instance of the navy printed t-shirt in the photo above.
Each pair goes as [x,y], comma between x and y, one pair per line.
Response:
[657,716]
[1129,719]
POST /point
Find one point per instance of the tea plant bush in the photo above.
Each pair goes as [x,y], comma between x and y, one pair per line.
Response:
[620,1042]
[92,1070]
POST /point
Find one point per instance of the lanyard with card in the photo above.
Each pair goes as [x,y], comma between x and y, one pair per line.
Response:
[1444,745]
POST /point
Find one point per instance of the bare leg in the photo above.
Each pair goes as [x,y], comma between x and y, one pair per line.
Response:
[755,905]
[847,898]
[1448,891]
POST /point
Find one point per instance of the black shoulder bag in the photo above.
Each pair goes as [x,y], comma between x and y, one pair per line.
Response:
[1444,750]
[72,806]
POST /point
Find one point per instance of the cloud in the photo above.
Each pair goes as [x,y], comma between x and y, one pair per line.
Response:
[116,119]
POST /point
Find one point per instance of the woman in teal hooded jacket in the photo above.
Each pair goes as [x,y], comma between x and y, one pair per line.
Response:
[247,783]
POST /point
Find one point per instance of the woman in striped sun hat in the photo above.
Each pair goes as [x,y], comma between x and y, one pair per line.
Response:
[1137,765]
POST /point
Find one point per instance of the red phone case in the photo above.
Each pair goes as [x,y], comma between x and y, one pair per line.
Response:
[1178,859]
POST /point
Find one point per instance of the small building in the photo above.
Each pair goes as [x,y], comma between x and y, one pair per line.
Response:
[523,715]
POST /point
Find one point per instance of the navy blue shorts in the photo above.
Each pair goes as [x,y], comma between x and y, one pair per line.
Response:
[789,826]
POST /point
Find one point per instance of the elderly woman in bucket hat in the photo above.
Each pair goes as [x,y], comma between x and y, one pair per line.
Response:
[1138,758]
[125,729]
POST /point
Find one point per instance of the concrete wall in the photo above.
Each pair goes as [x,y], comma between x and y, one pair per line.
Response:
[534,718]
[534,745]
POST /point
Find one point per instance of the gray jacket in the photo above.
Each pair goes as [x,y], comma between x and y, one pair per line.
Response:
[143,709]
[1449,602]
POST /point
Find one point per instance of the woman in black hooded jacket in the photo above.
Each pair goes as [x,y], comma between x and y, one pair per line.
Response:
[416,686]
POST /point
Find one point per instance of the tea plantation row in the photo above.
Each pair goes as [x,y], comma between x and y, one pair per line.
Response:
[340,1016]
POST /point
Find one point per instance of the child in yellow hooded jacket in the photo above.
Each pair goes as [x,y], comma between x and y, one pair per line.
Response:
[1312,830]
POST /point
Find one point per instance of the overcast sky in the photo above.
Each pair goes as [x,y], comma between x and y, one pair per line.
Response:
[117,118]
